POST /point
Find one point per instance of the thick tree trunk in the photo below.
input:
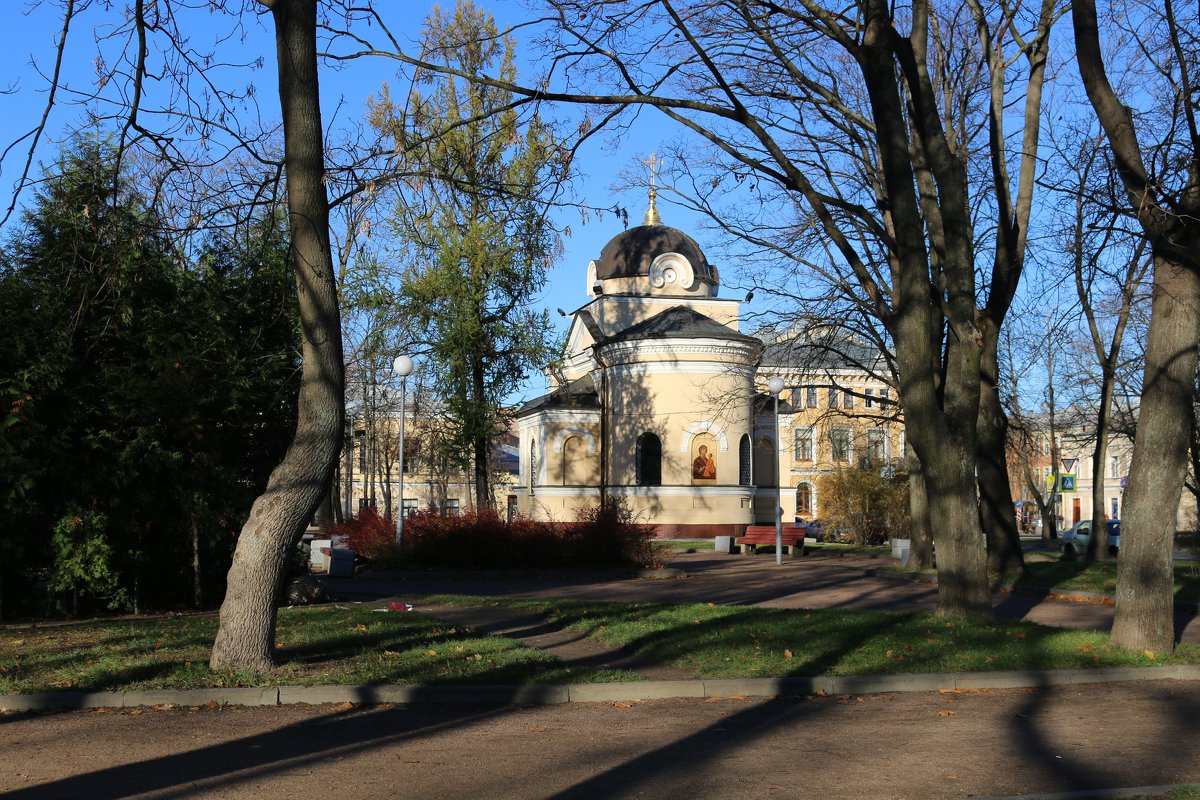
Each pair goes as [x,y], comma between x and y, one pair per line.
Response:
[1145,572]
[997,514]
[246,636]
[920,552]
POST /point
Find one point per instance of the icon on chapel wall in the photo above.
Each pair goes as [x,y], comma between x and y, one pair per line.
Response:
[704,466]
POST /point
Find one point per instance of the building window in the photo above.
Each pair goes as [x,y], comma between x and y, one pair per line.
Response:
[744,461]
[847,400]
[870,401]
[411,506]
[803,444]
[810,397]
[1114,468]
[876,445]
[1115,508]
[804,499]
[649,460]
[451,507]
[833,397]
[839,445]
[883,396]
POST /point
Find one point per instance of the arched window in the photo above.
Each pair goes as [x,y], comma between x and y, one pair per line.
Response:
[574,462]
[649,460]
[744,461]
[804,499]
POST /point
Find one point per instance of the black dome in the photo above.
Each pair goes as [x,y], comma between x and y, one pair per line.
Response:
[630,253]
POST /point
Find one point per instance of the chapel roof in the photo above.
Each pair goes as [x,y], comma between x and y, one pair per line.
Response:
[630,253]
[679,322]
[578,394]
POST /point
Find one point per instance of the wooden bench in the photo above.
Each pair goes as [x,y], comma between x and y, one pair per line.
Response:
[764,535]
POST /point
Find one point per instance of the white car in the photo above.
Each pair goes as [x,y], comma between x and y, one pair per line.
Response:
[1075,539]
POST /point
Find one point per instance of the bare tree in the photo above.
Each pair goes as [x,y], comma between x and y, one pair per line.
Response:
[1164,195]
[769,87]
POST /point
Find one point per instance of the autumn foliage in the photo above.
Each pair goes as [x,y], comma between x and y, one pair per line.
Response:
[601,537]
[370,535]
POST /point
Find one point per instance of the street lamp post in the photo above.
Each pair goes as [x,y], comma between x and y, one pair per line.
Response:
[775,386]
[402,366]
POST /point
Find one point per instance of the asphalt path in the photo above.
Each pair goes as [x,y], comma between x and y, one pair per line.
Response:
[707,577]
[990,743]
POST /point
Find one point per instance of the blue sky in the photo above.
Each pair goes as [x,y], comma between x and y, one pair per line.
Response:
[30,39]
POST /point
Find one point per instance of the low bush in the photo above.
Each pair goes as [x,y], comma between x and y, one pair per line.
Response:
[601,537]
[370,535]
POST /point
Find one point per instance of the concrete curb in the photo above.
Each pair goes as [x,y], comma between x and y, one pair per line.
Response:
[553,694]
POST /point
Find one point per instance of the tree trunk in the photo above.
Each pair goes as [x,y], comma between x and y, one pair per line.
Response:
[246,636]
[482,444]
[920,552]
[1145,573]
[197,589]
[1098,539]
[325,513]
[997,514]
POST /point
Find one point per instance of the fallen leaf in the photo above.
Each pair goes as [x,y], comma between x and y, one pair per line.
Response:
[1085,648]
[1148,653]
[945,713]
[342,707]
[787,653]
[431,653]
[538,729]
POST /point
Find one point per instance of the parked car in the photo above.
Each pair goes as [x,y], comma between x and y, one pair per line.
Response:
[1075,539]
[813,529]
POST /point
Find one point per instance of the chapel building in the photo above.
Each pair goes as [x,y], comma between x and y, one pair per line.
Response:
[660,402]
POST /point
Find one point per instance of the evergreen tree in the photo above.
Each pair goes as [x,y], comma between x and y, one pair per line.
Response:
[135,393]
[475,229]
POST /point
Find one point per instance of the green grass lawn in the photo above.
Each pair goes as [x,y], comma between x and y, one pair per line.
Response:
[738,641]
[1052,573]
[354,645]
[316,645]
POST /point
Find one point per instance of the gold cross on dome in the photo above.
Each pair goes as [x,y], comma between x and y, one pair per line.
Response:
[653,163]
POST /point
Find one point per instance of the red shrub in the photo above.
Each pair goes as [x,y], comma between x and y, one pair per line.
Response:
[369,535]
[481,540]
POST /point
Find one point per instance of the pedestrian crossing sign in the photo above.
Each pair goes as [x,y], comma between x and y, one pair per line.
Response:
[1066,483]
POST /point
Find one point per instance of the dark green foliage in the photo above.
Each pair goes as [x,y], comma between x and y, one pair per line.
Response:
[603,537]
[138,397]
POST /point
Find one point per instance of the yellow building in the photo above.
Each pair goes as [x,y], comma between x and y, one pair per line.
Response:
[659,402]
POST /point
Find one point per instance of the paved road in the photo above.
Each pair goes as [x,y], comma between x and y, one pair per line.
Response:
[915,746]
